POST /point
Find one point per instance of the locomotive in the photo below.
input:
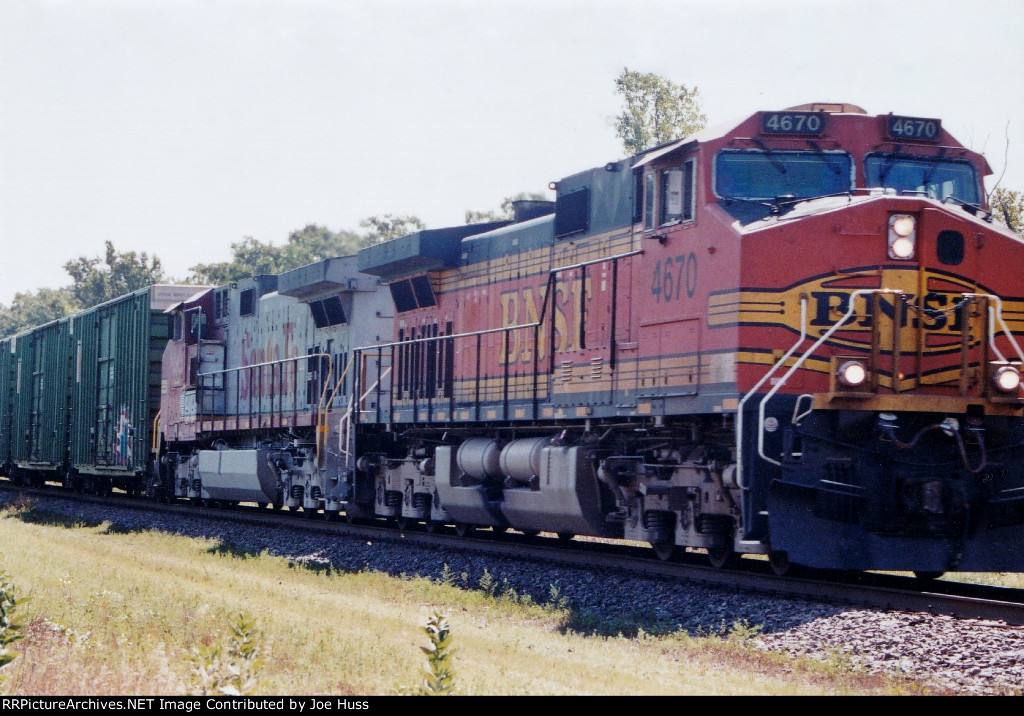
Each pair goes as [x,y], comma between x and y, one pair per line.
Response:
[796,335]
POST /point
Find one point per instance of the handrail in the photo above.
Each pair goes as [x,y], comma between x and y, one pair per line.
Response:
[486,331]
[757,386]
[201,385]
[996,313]
[506,330]
[155,447]
[800,361]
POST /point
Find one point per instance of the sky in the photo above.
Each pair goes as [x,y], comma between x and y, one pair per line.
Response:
[178,127]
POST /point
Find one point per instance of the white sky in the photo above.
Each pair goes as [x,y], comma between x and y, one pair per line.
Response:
[177,127]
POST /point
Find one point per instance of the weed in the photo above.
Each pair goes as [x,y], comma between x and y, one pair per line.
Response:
[742,632]
[9,625]
[230,672]
[487,584]
[440,679]
[557,601]
[448,576]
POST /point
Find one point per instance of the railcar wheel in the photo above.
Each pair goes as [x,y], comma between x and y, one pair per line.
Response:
[309,513]
[564,537]
[463,530]
[433,526]
[779,563]
[721,557]
[927,576]
[263,505]
[404,523]
[664,550]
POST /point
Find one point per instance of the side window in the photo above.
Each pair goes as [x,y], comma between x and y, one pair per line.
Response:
[650,181]
[677,194]
[689,188]
[247,302]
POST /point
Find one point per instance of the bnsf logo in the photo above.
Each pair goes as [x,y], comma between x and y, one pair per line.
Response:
[935,312]
[927,315]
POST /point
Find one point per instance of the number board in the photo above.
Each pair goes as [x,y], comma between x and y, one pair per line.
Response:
[914,128]
[792,122]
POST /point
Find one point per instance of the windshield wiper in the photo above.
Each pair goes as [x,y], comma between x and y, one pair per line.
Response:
[779,166]
[890,162]
[818,151]
[773,205]
[971,208]
[929,170]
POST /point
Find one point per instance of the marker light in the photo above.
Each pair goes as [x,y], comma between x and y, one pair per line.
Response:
[1007,379]
[852,373]
[902,236]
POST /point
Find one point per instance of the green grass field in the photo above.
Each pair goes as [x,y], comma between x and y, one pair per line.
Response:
[143,613]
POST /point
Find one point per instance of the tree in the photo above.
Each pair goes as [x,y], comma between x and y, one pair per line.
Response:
[382,228]
[253,257]
[34,309]
[506,212]
[1008,208]
[657,111]
[97,280]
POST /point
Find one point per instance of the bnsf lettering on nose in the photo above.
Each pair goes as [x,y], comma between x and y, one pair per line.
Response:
[932,314]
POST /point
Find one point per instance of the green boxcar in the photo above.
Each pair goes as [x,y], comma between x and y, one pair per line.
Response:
[7,362]
[39,435]
[115,386]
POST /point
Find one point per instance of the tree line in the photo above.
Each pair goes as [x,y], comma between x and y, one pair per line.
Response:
[656,110]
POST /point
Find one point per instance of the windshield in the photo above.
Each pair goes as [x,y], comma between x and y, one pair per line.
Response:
[930,176]
[759,174]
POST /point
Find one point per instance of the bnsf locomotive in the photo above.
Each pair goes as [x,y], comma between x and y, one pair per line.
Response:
[797,335]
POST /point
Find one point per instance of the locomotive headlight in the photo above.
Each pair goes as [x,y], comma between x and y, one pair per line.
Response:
[1007,379]
[852,373]
[902,236]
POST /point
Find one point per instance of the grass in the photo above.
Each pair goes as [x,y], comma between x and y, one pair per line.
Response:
[110,611]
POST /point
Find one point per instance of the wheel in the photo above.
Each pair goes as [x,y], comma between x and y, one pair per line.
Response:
[926,576]
[565,536]
[433,526]
[263,505]
[500,529]
[780,564]
[530,534]
[463,530]
[309,513]
[721,557]
[404,523]
[664,550]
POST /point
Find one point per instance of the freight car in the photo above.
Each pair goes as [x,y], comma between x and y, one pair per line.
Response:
[796,335]
[80,394]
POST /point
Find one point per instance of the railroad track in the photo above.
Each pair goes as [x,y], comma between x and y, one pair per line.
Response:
[863,589]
